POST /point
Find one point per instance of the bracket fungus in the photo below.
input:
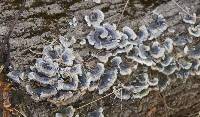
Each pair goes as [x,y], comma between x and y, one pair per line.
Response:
[16,76]
[143,33]
[67,57]
[96,73]
[190,19]
[107,80]
[157,27]
[170,69]
[53,53]
[94,18]
[193,52]
[168,45]
[182,40]
[156,50]
[128,36]
[42,78]
[41,93]
[67,42]
[69,68]
[124,67]
[104,37]
[194,31]
[46,67]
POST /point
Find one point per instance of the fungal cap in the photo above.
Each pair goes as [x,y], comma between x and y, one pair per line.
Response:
[190,19]
[94,18]
[16,75]
[168,45]
[194,31]
[107,80]
[46,67]
[41,78]
[156,50]
[130,33]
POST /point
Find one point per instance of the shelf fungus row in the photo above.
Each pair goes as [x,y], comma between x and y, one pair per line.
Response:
[65,72]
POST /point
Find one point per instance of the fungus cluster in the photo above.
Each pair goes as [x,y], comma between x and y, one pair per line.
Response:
[65,72]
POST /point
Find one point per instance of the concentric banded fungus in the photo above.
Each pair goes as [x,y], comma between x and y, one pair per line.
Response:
[102,56]
[64,72]
[128,37]
[53,53]
[195,65]
[66,42]
[190,19]
[76,69]
[134,55]
[16,75]
[156,50]
[94,18]
[143,34]
[193,52]
[72,85]
[67,57]
[167,60]
[126,49]
[96,113]
[157,27]
[107,80]
[168,70]
[147,62]
[92,75]
[194,31]
[143,51]
[84,82]
[182,40]
[41,93]
[153,81]
[46,67]
[184,64]
[42,78]
[139,84]
[104,37]
[95,73]
[168,45]
[116,61]
[124,68]
[73,70]
[74,22]
[138,88]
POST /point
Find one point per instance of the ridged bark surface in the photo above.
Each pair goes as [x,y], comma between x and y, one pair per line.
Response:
[41,21]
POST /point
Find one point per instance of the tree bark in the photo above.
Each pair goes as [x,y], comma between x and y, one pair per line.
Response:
[40,22]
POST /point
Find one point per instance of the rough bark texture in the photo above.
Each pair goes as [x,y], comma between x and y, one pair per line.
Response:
[41,21]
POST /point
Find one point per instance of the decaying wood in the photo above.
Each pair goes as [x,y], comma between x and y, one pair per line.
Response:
[42,21]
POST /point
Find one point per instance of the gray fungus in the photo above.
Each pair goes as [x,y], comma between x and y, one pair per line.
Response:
[63,74]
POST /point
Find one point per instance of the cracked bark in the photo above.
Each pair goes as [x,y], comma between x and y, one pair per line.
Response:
[42,21]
